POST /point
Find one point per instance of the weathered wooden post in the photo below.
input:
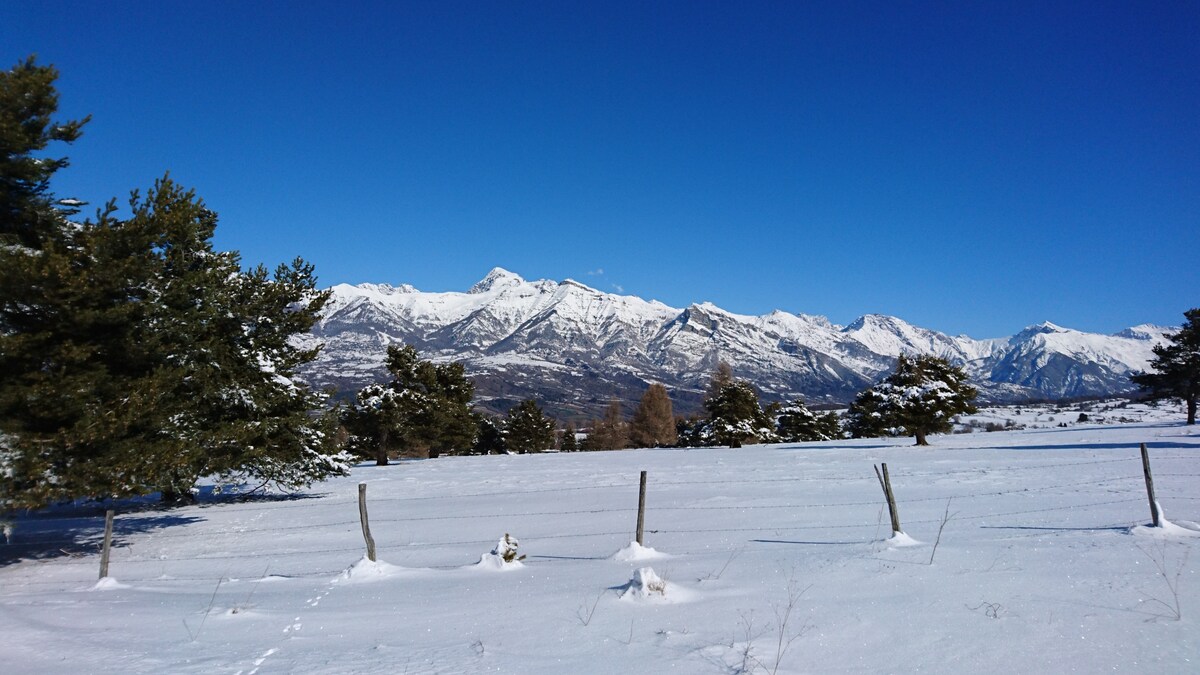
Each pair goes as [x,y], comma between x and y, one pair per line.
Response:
[885,482]
[366,527]
[1154,514]
[641,508]
[108,524]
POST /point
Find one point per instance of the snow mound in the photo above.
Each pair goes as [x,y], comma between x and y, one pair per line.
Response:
[108,584]
[503,557]
[647,586]
[1184,528]
[635,551]
[902,540]
[1169,530]
[368,570]
[492,561]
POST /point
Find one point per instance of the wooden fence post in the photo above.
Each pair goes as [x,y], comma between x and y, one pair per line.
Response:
[108,524]
[1154,514]
[885,482]
[366,527]
[641,508]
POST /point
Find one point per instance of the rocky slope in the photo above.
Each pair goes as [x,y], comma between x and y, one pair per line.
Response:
[575,348]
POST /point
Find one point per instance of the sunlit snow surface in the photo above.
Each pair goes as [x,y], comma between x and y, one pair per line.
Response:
[1044,565]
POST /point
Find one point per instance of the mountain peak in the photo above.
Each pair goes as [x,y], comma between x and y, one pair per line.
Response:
[1043,327]
[497,278]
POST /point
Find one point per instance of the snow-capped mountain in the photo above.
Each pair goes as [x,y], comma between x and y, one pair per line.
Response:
[576,348]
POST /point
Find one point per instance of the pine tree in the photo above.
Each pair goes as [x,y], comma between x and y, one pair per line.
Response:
[489,436]
[797,424]
[28,103]
[653,424]
[923,395]
[527,429]
[568,442]
[133,357]
[1176,366]
[138,359]
[865,418]
[735,416]
[425,410]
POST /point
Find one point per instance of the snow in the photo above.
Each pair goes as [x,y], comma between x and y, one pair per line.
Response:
[635,551]
[902,540]
[1044,564]
[504,318]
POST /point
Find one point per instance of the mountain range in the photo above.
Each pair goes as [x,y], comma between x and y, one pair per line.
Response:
[575,348]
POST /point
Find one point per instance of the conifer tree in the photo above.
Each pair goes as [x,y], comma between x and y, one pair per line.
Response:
[489,436]
[527,429]
[798,424]
[610,433]
[133,357]
[28,103]
[1176,366]
[653,424]
[922,396]
[568,442]
[424,409]
[139,359]
[865,418]
[735,416]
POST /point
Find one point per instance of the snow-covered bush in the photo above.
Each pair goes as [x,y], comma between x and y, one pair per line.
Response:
[506,549]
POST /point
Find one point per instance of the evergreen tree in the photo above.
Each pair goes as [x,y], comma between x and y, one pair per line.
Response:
[865,418]
[653,423]
[527,429]
[690,432]
[28,103]
[489,436]
[568,442]
[1177,366]
[735,416]
[923,395]
[796,424]
[138,359]
[425,410]
[134,357]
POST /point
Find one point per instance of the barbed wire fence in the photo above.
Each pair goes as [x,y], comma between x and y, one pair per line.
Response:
[676,524]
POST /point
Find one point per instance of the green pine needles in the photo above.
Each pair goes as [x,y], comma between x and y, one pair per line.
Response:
[135,358]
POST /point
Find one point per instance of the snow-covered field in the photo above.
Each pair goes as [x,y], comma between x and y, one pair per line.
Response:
[1052,416]
[1040,567]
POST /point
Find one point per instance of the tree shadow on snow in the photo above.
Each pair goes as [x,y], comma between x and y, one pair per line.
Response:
[76,529]
[1102,528]
[1154,445]
[47,537]
[810,543]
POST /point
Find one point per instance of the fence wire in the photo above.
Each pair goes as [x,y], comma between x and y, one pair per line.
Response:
[82,549]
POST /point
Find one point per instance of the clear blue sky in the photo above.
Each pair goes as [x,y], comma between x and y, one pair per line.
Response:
[972,167]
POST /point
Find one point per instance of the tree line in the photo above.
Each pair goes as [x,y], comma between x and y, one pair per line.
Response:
[425,410]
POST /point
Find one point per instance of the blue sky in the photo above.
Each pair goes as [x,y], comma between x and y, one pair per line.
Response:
[970,167]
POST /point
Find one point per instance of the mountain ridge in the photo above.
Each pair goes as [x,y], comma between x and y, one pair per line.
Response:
[575,348]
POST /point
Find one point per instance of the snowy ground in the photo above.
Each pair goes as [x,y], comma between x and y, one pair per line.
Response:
[1040,568]
[1057,416]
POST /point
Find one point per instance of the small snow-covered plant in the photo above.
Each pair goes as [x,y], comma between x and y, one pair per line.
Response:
[645,583]
[1159,556]
[506,548]
[7,527]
